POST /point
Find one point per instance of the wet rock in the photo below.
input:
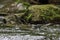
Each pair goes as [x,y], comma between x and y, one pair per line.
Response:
[20,6]
[1,5]
[2,20]
[16,8]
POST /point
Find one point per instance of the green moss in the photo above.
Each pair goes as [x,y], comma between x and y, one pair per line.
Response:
[43,12]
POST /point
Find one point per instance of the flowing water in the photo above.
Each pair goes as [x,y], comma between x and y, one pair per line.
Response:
[37,32]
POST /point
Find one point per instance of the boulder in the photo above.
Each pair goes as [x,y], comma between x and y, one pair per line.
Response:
[42,13]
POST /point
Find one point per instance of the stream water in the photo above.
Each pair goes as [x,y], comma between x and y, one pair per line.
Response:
[38,32]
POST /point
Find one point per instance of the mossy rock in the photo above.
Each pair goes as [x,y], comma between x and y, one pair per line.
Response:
[42,13]
[25,27]
[9,25]
[19,15]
